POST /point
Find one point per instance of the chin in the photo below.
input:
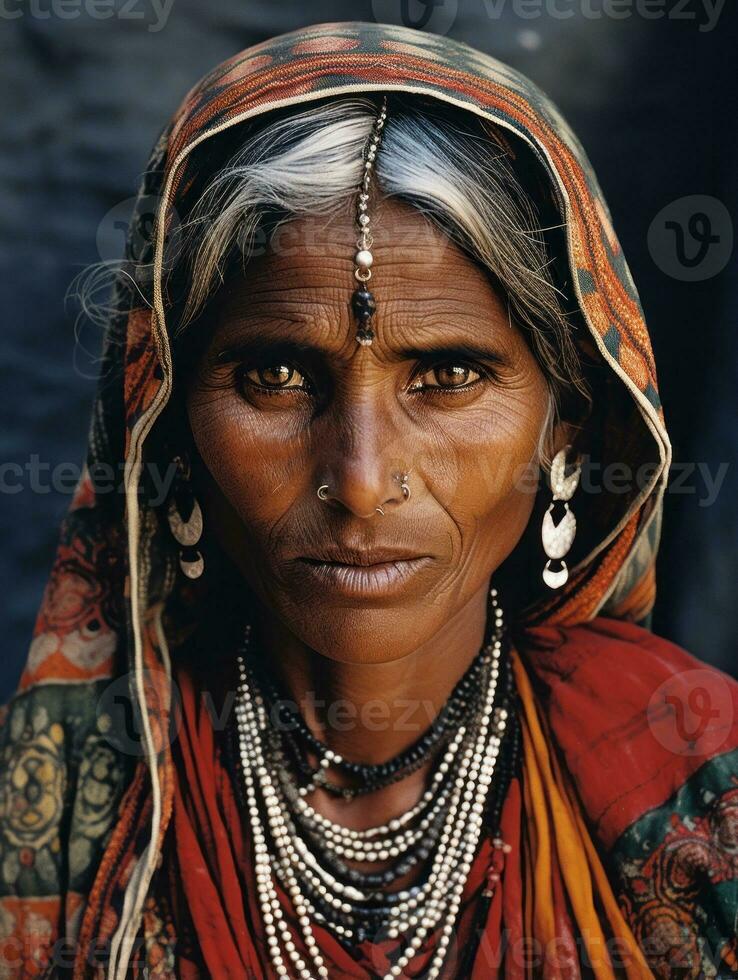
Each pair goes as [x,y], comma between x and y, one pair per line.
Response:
[361,634]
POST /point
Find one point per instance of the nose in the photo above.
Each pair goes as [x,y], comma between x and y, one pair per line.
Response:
[360,469]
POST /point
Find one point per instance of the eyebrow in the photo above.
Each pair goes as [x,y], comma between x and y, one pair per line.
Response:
[479,352]
[462,349]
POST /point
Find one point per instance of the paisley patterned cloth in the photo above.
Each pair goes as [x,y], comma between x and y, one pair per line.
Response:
[646,808]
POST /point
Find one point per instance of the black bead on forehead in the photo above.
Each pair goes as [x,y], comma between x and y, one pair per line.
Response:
[363,303]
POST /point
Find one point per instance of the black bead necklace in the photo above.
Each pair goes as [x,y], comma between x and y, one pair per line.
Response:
[463,701]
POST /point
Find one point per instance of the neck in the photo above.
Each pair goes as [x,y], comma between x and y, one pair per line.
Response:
[371,712]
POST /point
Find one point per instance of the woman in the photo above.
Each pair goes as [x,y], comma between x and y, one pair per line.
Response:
[341,687]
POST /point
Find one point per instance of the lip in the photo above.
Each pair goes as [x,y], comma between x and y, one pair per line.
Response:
[337,554]
[375,573]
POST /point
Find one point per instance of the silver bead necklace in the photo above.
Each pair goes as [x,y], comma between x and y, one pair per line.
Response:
[300,848]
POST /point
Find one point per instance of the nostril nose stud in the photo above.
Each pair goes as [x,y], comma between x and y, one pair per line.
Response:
[403,479]
[404,485]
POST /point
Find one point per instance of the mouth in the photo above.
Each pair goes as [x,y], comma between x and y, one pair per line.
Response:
[367,574]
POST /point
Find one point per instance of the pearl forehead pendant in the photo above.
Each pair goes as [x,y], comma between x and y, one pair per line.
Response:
[363,303]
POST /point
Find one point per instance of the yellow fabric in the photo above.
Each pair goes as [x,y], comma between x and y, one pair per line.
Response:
[555,821]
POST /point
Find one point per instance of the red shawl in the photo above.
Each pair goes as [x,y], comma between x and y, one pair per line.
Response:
[555,906]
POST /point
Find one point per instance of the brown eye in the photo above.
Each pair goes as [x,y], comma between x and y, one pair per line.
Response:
[453,375]
[447,375]
[275,376]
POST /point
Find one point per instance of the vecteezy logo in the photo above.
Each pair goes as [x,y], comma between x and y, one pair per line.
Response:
[691,239]
[700,230]
[691,712]
[434,16]
[123,726]
[700,707]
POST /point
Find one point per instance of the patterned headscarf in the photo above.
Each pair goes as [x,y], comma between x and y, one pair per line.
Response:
[105,613]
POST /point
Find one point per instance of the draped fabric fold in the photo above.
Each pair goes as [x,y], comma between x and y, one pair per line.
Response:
[568,876]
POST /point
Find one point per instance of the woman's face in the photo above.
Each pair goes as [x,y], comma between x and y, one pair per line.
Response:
[285,400]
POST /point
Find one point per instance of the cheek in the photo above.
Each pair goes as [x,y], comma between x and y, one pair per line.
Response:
[495,476]
[250,455]
[485,460]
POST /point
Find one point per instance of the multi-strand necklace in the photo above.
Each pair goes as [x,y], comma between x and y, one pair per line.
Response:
[307,853]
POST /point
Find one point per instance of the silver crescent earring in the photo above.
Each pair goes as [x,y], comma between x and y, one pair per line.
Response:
[185,521]
[558,538]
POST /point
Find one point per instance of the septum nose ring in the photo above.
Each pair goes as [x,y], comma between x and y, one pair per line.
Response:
[322,490]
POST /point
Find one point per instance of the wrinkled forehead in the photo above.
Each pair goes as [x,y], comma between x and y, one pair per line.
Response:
[429,292]
[317,253]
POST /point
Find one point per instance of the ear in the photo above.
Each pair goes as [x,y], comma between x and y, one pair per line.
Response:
[562,435]
[570,432]
[558,436]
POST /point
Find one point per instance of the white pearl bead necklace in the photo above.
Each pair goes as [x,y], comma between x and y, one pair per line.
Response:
[455,797]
